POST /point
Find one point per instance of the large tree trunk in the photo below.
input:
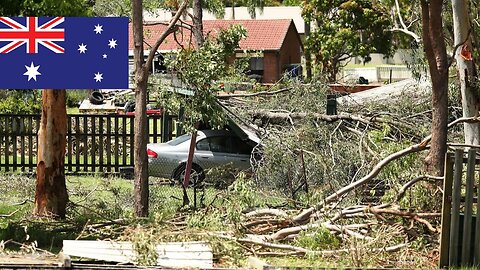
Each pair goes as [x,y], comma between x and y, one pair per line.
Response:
[470,105]
[51,195]
[141,189]
[198,22]
[435,50]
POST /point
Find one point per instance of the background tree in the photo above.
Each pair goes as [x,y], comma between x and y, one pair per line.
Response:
[20,101]
[198,69]
[345,29]
[462,30]
[124,7]
[51,195]
[142,67]
[435,50]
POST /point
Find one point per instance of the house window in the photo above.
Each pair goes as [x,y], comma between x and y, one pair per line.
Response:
[256,68]
[256,64]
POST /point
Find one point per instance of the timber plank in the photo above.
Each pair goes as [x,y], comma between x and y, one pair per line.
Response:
[183,254]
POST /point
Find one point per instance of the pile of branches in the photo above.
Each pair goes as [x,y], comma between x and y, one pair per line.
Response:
[385,226]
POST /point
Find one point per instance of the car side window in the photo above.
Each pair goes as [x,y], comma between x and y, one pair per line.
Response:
[203,145]
[240,147]
[218,144]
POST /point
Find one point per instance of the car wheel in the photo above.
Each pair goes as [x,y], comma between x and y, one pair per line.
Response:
[197,174]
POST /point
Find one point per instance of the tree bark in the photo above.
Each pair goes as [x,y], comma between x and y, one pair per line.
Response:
[308,54]
[470,104]
[141,187]
[435,50]
[51,195]
[198,22]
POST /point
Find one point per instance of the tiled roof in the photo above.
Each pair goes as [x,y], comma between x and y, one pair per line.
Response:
[261,34]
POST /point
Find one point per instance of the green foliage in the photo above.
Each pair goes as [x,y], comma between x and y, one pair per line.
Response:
[110,197]
[222,176]
[243,192]
[75,97]
[46,8]
[20,101]
[345,28]
[144,240]
[292,3]
[124,7]
[10,7]
[317,239]
[211,219]
[198,69]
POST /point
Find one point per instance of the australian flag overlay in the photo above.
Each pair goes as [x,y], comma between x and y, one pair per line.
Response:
[63,52]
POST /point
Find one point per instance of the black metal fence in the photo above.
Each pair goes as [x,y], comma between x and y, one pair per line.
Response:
[95,142]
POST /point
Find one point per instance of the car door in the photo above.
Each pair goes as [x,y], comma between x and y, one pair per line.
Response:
[212,152]
[240,152]
[222,150]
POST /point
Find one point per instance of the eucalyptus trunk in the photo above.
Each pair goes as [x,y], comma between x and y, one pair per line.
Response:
[198,22]
[435,50]
[141,187]
[470,104]
[51,195]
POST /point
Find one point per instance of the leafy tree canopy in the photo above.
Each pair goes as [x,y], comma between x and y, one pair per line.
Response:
[20,101]
[344,29]
[124,7]
[199,69]
[46,8]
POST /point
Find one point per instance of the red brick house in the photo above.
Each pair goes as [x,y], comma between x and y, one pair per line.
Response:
[276,44]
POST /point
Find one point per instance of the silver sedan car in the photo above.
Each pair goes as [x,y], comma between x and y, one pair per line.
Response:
[213,148]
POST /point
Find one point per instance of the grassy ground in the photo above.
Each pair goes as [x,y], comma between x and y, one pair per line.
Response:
[73,110]
[100,197]
[92,200]
[96,200]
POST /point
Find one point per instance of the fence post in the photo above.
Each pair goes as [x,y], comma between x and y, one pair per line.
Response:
[455,216]
[165,119]
[447,204]
[467,219]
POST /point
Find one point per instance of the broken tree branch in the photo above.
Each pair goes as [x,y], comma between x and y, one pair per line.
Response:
[281,117]
[404,28]
[374,172]
[303,251]
[410,183]
[262,93]
[268,212]
[9,215]
[305,215]
[405,214]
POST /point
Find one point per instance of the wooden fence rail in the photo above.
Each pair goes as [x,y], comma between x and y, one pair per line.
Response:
[95,142]
[460,236]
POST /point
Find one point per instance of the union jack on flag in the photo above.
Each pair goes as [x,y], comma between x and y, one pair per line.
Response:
[63,52]
[32,34]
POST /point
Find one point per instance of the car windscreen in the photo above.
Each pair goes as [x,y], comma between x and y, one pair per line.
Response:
[179,140]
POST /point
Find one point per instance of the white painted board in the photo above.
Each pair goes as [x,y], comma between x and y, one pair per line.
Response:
[181,254]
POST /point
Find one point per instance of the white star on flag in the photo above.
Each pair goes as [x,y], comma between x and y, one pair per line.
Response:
[32,72]
[82,48]
[112,43]
[98,29]
[104,56]
[98,77]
